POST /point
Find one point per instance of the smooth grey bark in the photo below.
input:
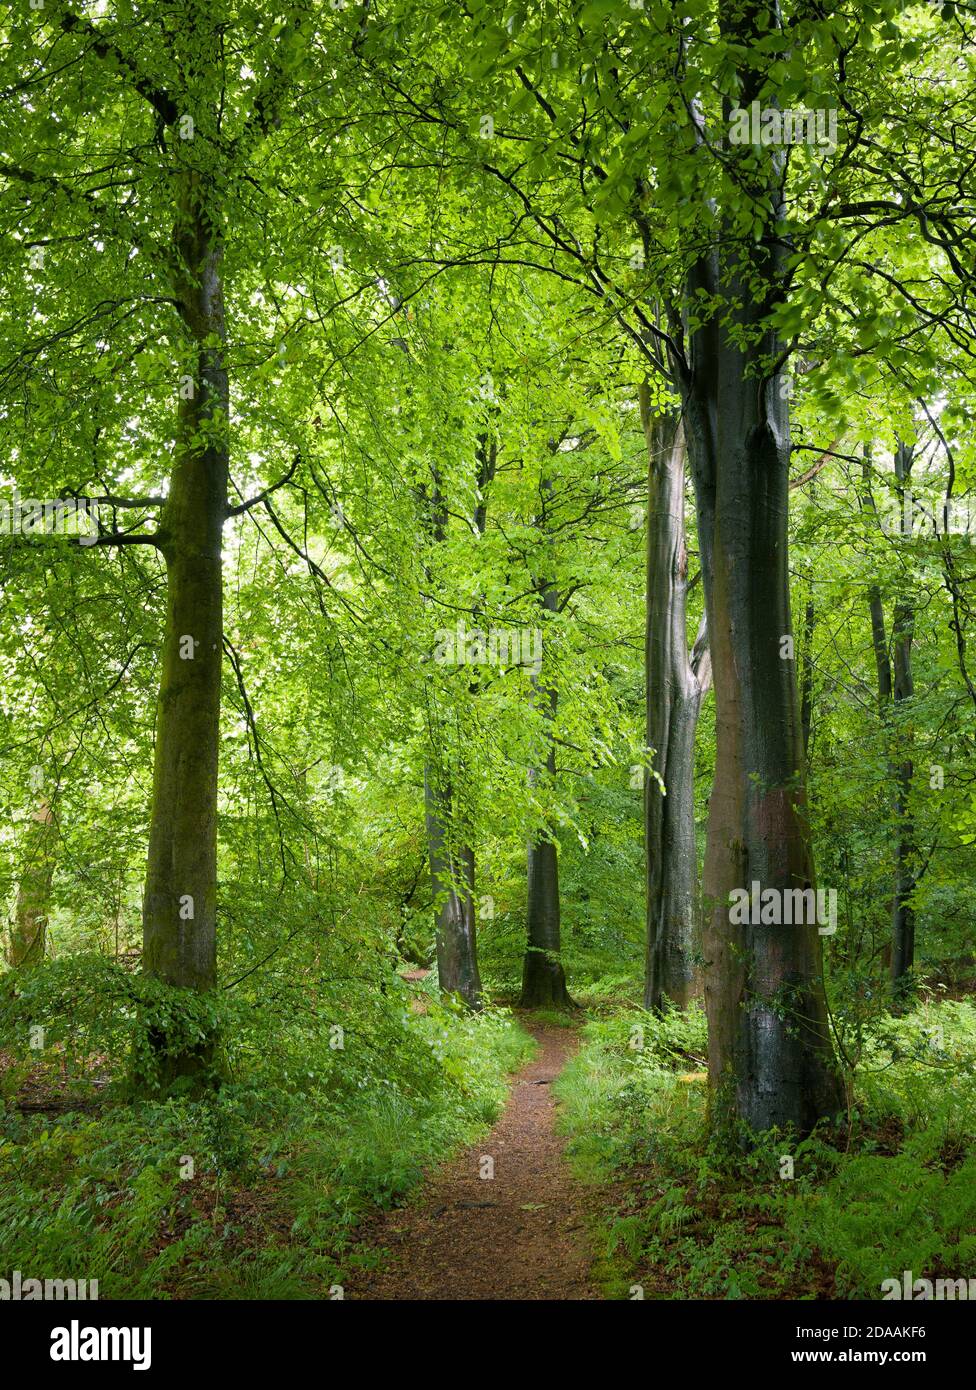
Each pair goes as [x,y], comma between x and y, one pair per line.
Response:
[771,1060]
[806,677]
[879,641]
[543,977]
[676,681]
[770,1057]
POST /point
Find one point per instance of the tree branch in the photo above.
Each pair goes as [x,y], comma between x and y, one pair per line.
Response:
[161,102]
[262,496]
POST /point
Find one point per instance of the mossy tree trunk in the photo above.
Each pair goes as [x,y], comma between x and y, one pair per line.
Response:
[28,930]
[180,900]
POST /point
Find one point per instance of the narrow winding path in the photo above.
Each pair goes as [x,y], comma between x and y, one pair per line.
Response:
[518,1235]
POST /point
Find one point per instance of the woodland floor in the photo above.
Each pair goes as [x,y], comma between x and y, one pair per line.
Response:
[520,1235]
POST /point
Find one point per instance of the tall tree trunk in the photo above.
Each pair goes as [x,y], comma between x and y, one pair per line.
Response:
[543,977]
[771,1061]
[675,685]
[879,640]
[179,904]
[895,685]
[806,678]
[452,866]
[903,689]
[28,931]
[903,911]
[452,880]
[770,1056]
[806,688]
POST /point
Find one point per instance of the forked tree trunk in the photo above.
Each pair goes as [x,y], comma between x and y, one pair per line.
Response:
[179,905]
[898,686]
[28,931]
[676,682]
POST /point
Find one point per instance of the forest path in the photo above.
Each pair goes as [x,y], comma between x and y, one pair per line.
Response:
[520,1235]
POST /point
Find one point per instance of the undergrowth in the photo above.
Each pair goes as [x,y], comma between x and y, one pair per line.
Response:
[787,1219]
[252,1191]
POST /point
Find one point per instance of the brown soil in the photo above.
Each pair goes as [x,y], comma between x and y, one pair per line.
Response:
[519,1235]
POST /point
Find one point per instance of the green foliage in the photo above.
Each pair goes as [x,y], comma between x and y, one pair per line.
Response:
[879,1216]
[86,1006]
[280,1176]
[786,1219]
[454,235]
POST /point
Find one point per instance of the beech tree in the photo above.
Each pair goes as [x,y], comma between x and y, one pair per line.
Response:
[200,129]
[543,977]
[896,685]
[676,680]
[452,859]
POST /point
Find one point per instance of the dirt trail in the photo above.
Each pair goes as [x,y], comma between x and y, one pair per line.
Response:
[520,1235]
